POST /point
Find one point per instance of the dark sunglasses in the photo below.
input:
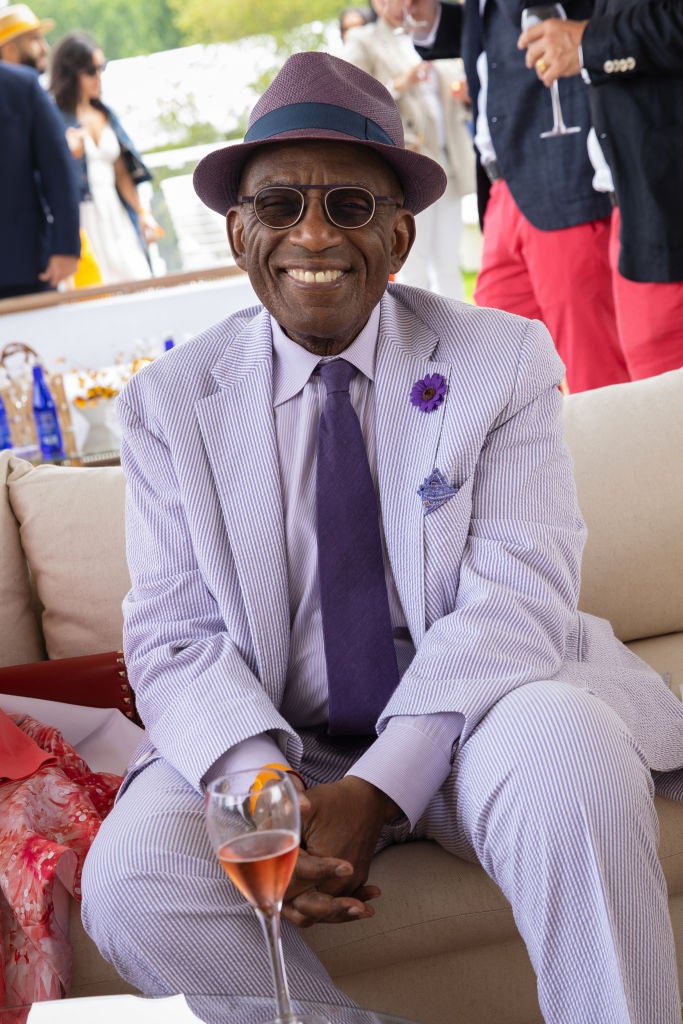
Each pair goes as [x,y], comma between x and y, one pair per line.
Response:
[95,69]
[345,206]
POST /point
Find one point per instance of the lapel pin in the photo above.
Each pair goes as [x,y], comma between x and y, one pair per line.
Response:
[428,393]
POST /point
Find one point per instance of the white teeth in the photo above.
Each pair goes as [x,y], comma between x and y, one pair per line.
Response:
[319,277]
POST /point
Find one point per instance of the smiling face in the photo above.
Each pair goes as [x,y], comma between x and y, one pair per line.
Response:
[320,282]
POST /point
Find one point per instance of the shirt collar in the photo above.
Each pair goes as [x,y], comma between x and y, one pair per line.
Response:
[293,364]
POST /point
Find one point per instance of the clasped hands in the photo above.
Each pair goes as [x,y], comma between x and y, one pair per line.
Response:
[341,823]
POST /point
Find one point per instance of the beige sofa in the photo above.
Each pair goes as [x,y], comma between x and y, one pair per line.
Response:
[443,936]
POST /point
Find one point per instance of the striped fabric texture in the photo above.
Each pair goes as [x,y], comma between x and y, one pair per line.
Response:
[551,786]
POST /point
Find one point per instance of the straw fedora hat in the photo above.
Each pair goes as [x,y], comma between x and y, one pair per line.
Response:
[19,18]
[317,96]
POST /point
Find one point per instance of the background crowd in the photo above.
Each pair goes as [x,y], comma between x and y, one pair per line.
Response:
[71,208]
[581,230]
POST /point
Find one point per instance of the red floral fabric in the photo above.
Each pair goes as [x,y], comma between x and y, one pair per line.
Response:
[48,821]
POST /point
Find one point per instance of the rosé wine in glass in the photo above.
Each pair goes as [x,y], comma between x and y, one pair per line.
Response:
[260,864]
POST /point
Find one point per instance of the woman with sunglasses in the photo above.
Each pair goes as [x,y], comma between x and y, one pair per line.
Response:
[110,168]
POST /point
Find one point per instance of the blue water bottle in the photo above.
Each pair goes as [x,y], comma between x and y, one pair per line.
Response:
[45,415]
[5,436]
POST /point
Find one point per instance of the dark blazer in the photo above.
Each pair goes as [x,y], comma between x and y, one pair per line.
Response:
[38,186]
[633,52]
[550,179]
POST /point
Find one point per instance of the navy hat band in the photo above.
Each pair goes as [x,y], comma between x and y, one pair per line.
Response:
[295,116]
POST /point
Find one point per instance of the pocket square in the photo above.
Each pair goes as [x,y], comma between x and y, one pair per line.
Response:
[435,491]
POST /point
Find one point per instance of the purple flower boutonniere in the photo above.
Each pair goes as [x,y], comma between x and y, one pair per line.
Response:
[428,394]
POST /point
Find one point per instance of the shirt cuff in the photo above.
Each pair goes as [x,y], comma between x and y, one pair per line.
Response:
[426,39]
[584,73]
[253,752]
[411,759]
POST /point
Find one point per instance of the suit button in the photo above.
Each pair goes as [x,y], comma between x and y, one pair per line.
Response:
[623,66]
[608,67]
[630,63]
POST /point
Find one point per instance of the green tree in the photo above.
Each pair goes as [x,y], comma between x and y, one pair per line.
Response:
[123,28]
[214,21]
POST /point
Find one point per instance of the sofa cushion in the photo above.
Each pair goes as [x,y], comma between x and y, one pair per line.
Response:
[434,902]
[626,444]
[19,628]
[431,901]
[72,532]
[665,655]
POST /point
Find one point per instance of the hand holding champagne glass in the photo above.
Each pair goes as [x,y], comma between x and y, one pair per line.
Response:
[531,16]
[254,824]
[409,23]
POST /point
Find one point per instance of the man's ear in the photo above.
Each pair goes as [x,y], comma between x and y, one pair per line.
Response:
[234,226]
[403,238]
[9,52]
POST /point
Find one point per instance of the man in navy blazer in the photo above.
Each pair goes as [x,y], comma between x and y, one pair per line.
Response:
[631,55]
[519,732]
[39,217]
[546,231]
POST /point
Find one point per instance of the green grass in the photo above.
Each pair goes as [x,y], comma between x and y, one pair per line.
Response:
[470,279]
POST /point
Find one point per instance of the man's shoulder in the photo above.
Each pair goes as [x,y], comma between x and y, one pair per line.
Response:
[224,331]
[19,80]
[365,32]
[485,347]
[363,40]
[23,97]
[194,360]
[450,318]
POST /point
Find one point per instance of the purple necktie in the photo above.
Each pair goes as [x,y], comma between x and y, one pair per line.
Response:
[362,671]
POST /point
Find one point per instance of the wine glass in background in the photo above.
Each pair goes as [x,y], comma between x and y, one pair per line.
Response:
[410,24]
[532,16]
[254,824]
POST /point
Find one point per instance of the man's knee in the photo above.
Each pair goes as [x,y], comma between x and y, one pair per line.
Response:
[553,742]
[103,885]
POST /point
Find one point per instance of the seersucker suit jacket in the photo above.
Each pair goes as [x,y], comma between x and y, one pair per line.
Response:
[488,580]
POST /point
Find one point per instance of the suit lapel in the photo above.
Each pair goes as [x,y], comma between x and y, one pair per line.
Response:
[238,428]
[407,443]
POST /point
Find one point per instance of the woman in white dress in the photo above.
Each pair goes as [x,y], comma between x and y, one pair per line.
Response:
[117,226]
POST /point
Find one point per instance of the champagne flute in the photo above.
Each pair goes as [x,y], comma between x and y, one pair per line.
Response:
[409,25]
[532,16]
[254,824]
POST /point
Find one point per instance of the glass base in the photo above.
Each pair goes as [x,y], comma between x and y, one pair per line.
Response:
[555,132]
[302,1018]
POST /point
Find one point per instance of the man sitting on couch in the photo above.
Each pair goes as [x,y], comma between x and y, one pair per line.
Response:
[398,626]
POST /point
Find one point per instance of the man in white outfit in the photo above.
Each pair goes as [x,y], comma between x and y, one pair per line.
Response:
[435,123]
[493,717]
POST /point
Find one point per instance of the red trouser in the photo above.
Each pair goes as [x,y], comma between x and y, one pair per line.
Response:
[649,318]
[560,277]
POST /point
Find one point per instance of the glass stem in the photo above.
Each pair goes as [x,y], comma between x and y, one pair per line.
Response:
[270,922]
[557,109]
